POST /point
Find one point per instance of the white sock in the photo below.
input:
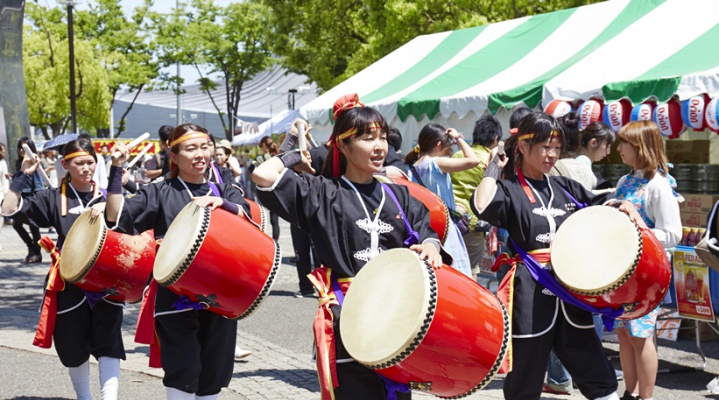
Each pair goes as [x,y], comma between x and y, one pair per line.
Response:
[80,377]
[176,394]
[109,377]
[613,396]
[210,397]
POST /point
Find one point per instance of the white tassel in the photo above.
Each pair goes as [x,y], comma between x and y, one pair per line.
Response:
[80,377]
[109,377]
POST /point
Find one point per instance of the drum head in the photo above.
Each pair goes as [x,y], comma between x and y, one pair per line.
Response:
[181,243]
[81,247]
[386,306]
[594,249]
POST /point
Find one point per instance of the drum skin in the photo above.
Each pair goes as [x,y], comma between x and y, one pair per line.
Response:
[122,267]
[642,291]
[259,216]
[438,212]
[465,344]
[233,269]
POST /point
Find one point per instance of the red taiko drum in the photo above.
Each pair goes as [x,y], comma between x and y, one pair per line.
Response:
[438,212]
[218,259]
[97,259]
[605,260]
[435,330]
[260,216]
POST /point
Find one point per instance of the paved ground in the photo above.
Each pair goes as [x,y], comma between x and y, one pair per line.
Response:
[278,334]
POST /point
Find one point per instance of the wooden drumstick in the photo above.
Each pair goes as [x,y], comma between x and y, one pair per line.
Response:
[301,135]
[117,154]
[39,167]
[139,156]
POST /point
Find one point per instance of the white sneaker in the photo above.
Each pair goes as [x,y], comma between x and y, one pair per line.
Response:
[241,353]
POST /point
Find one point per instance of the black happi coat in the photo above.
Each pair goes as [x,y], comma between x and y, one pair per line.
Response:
[331,212]
[535,307]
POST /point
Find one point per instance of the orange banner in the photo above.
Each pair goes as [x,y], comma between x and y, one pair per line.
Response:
[691,283]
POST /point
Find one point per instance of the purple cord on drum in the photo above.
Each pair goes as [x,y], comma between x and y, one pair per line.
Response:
[184,302]
[93,297]
[393,387]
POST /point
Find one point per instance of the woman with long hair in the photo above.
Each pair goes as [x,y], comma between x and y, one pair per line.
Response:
[532,205]
[195,345]
[649,190]
[351,218]
[430,164]
[84,325]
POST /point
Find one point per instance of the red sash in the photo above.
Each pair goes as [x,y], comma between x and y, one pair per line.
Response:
[505,293]
[323,329]
[145,328]
[55,283]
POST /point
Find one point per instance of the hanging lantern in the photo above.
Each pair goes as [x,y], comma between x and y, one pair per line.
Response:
[693,111]
[616,113]
[642,112]
[590,111]
[668,117]
[558,108]
[711,115]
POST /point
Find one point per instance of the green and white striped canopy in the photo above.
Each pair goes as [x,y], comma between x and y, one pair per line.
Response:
[638,49]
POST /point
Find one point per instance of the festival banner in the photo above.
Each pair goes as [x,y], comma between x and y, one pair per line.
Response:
[98,143]
[691,282]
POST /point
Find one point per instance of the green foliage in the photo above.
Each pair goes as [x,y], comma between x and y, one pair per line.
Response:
[112,52]
[329,41]
[229,43]
[46,69]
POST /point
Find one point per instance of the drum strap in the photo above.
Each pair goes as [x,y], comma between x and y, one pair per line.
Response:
[55,283]
[412,235]
[546,279]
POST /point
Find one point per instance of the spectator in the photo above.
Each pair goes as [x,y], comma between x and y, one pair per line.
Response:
[162,159]
[430,167]
[33,185]
[486,135]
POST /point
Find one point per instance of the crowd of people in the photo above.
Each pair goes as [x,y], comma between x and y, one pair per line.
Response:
[520,191]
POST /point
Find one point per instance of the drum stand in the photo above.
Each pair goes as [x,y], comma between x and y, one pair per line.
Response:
[697,343]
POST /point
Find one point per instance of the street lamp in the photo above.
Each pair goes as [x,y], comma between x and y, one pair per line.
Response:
[70,38]
[291,93]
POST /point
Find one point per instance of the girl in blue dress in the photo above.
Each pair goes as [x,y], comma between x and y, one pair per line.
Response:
[648,188]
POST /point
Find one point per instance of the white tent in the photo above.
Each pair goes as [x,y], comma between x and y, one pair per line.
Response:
[635,49]
[278,124]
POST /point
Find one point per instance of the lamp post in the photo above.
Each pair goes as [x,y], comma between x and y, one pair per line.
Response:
[70,38]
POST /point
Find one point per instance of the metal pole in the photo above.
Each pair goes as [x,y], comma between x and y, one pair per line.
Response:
[179,96]
[73,106]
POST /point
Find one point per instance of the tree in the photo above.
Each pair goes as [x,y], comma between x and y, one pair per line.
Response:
[46,69]
[226,42]
[127,51]
[329,41]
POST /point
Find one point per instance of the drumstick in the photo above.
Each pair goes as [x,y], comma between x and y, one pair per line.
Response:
[39,168]
[139,156]
[132,144]
[301,135]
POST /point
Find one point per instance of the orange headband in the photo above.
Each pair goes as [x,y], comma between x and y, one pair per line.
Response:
[189,136]
[353,131]
[528,136]
[79,153]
